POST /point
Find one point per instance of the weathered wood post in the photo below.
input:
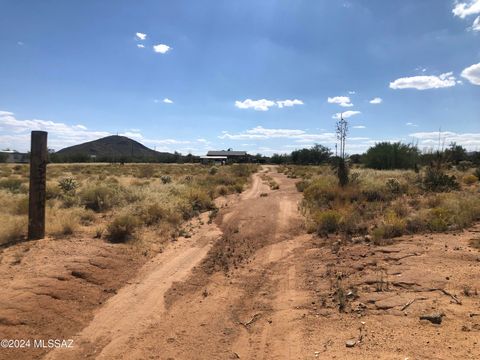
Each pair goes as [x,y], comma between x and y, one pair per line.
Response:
[38,182]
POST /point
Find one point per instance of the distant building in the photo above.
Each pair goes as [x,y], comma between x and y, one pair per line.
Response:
[12,156]
[225,156]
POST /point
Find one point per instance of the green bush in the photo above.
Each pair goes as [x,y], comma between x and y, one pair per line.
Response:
[68,185]
[436,180]
[387,155]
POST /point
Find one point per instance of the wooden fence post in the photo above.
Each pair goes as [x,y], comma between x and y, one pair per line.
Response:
[38,182]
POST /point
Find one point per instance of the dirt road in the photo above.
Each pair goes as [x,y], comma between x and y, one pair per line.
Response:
[254,285]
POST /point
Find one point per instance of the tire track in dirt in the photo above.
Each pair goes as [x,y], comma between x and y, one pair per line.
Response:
[254,240]
[141,303]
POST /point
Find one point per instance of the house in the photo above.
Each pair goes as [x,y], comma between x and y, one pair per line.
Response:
[225,156]
[12,156]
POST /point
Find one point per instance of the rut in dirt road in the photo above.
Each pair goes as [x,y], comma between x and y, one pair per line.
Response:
[199,292]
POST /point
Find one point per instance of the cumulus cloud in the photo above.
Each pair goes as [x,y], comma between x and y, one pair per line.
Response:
[289,103]
[464,9]
[340,100]
[265,105]
[261,133]
[411,124]
[141,46]
[15,134]
[346,114]
[472,74]
[167,101]
[359,127]
[161,48]
[376,101]
[424,82]
[471,141]
[141,36]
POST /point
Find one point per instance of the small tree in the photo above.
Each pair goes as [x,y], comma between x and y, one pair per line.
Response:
[342,169]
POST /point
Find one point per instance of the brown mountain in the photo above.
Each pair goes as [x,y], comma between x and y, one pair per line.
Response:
[113,148]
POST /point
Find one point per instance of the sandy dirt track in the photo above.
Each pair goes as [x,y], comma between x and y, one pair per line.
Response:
[254,285]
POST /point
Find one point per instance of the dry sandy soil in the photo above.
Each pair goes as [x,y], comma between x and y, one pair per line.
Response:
[251,285]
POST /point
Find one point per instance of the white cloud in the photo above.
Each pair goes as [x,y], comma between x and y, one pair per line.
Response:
[259,105]
[167,101]
[471,141]
[424,82]
[352,92]
[15,134]
[265,105]
[476,24]
[141,36]
[464,9]
[141,46]
[161,48]
[411,124]
[343,101]
[376,101]
[472,74]
[261,133]
[359,127]
[289,103]
[346,114]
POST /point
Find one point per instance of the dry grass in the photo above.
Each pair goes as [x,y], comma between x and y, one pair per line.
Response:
[383,204]
[88,198]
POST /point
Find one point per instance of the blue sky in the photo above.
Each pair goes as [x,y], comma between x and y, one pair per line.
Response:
[263,76]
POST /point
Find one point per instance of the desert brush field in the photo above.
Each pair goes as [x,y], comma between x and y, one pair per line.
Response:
[243,261]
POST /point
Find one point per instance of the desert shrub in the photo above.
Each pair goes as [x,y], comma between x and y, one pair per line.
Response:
[373,194]
[152,214]
[222,190]
[393,226]
[166,179]
[87,217]
[13,185]
[438,219]
[470,179]
[12,228]
[415,224]
[464,165]
[302,185]
[68,185]
[327,221]
[100,197]
[122,228]
[238,187]
[393,186]
[436,180]
[199,200]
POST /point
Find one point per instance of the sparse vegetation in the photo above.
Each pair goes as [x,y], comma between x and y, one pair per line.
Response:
[386,204]
[91,197]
